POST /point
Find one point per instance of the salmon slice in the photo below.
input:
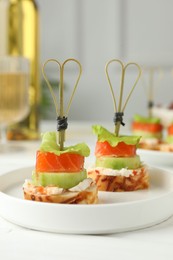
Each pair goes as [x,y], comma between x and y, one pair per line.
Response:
[170,129]
[50,162]
[149,127]
[120,150]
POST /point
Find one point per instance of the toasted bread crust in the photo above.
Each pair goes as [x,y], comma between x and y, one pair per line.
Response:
[164,147]
[121,183]
[146,146]
[88,196]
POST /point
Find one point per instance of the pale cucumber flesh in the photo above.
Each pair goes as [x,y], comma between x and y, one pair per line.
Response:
[147,134]
[61,180]
[118,162]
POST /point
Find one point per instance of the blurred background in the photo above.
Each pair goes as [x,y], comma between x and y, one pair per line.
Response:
[95,32]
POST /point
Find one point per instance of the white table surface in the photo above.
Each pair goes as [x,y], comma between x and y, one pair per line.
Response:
[18,243]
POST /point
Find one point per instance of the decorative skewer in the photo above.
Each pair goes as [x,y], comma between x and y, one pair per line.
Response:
[119,111]
[61,115]
[151,92]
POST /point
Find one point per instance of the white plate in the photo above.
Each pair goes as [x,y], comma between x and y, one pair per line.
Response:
[116,212]
[157,158]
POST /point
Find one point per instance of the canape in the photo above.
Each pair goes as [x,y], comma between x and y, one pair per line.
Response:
[60,176]
[150,129]
[117,166]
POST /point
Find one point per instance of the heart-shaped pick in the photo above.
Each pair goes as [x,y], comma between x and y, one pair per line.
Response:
[119,111]
[59,105]
[153,76]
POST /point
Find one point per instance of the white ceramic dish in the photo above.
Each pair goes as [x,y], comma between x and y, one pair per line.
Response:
[157,158]
[116,212]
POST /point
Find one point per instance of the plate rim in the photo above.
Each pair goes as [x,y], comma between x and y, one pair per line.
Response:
[87,205]
[87,225]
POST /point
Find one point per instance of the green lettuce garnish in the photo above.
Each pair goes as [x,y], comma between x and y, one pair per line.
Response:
[142,119]
[104,135]
[49,144]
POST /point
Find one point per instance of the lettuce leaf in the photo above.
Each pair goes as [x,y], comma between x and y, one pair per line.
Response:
[49,144]
[142,119]
[104,135]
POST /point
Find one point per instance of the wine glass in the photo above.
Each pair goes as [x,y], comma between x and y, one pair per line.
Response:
[14,93]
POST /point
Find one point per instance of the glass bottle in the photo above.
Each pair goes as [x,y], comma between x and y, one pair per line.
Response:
[21,38]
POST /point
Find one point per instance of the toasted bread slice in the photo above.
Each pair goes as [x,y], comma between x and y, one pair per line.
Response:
[137,180]
[165,147]
[86,196]
[148,146]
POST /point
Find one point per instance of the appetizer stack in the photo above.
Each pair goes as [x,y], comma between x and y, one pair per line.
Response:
[153,126]
[117,166]
[59,175]
[150,129]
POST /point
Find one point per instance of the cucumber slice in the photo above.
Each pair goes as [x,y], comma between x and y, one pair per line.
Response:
[118,162]
[62,180]
[146,134]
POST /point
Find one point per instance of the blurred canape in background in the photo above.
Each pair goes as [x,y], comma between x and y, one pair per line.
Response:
[150,129]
